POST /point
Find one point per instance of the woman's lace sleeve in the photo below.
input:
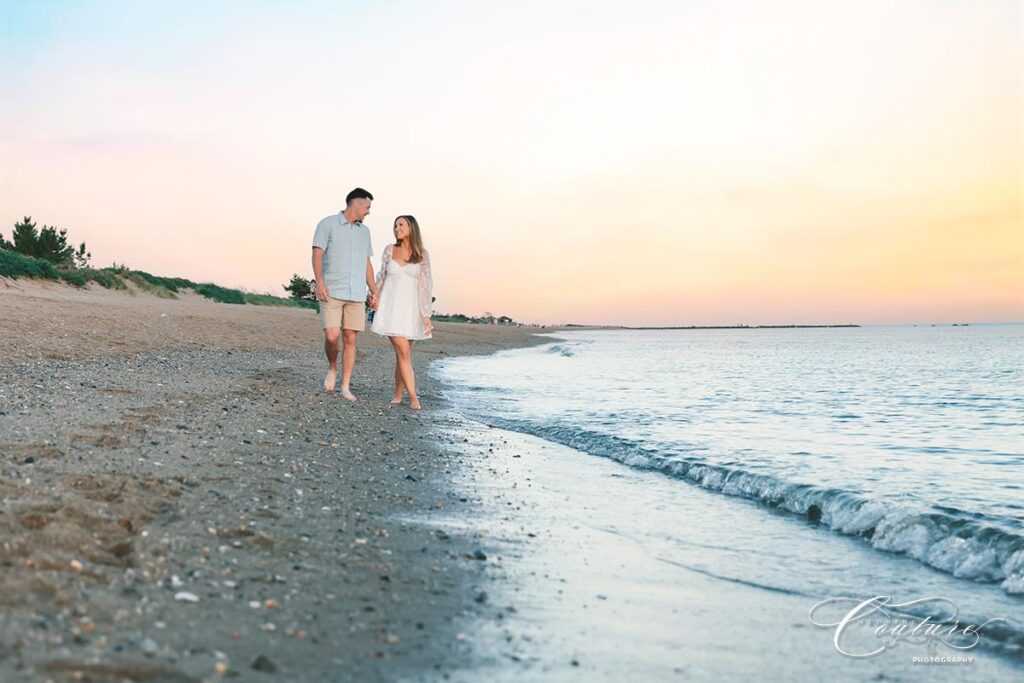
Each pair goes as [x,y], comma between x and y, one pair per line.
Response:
[385,258]
[426,287]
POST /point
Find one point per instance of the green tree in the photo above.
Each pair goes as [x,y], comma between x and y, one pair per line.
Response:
[49,243]
[53,246]
[81,256]
[300,288]
[26,237]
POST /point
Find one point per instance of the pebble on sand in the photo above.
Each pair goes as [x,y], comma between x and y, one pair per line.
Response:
[263,663]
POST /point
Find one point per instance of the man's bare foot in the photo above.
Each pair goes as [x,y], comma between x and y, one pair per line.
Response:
[347,395]
[414,403]
[329,381]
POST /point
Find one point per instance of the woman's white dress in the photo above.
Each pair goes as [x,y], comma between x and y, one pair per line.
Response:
[405,297]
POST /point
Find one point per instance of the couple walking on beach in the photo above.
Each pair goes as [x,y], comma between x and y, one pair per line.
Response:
[399,295]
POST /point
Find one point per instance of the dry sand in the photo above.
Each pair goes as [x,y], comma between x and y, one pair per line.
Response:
[182,502]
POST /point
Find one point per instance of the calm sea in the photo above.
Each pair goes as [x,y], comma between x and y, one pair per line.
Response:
[908,439]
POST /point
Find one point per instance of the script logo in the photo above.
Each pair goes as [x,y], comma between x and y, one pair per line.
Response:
[870,627]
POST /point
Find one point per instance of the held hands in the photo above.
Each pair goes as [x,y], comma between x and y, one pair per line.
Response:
[321,291]
[374,300]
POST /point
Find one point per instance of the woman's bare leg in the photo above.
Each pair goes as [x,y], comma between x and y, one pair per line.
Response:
[414,400]
[403,351]
[399,384]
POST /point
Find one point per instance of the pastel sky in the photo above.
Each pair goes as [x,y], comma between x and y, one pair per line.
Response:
[569,161]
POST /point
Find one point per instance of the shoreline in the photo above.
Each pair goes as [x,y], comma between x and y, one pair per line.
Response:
[645,588]
[605,554]
[191,514]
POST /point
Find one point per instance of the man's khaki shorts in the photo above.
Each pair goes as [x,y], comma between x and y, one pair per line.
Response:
[350,315]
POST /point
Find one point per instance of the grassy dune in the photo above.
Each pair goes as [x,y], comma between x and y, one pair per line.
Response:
[15,265]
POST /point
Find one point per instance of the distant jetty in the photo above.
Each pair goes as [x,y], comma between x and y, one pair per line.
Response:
[733,327]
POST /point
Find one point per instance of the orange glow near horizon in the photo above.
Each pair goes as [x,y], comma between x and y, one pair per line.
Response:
[640,164]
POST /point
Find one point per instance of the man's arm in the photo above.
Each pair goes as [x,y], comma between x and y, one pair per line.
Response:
[371,282]
[318,273]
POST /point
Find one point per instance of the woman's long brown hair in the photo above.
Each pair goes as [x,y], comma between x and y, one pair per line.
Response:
[415,241]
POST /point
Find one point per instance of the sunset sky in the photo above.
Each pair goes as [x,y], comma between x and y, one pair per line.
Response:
[591,162]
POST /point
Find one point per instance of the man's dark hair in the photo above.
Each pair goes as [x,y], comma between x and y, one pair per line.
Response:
[358,193]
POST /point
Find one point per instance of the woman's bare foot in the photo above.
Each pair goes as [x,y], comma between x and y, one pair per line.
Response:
[329,381]
[414,403]
[395,401]
[347,395]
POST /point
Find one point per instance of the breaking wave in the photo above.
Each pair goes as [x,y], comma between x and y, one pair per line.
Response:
[967,545]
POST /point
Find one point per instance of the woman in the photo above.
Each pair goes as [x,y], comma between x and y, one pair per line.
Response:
[404,307]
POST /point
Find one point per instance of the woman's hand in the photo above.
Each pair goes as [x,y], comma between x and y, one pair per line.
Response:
[428,324]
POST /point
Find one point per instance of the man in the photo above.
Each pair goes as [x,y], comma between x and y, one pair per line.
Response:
[342,265]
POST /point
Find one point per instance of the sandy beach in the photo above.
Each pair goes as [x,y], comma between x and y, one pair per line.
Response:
[181,501]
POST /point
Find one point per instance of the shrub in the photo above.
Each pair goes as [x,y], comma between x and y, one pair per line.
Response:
[220,294]
[80,277]
[106,278]
[137,279]
[73,277]
[171,283]
[15,265]
[270,300]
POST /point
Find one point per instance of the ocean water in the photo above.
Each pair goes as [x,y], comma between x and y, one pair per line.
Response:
[906,441]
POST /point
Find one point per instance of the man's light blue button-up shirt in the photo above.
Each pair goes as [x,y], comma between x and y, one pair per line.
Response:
[346,247]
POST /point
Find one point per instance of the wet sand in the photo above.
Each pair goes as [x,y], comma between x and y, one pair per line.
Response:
[601,572]
[182,502]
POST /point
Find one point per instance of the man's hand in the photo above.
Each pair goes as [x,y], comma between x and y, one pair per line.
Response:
[374,300]
[321,291]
